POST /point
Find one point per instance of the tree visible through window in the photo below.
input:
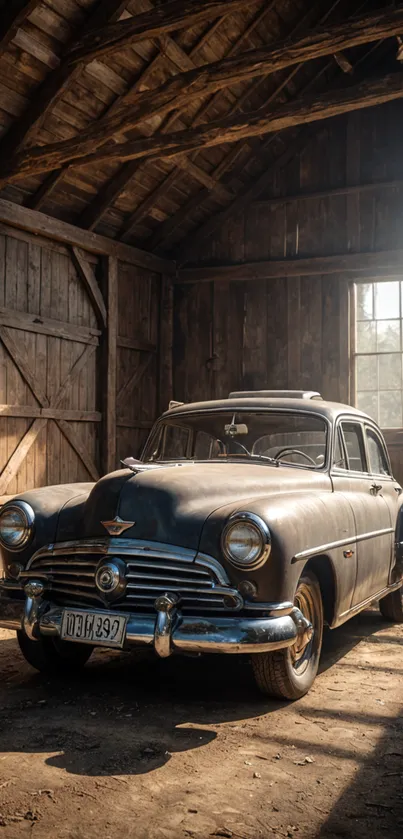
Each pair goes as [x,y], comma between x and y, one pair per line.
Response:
[379,351]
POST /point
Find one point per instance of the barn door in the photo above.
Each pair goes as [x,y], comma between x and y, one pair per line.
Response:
[51,318]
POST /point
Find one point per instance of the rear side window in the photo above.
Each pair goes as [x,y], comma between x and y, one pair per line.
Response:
[378,462]
[354,442]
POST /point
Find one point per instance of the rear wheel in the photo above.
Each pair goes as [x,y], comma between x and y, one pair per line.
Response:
[52,656]
[289,673]
[391,606]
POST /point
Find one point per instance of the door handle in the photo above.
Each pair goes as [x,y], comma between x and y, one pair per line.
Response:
[375,489]
[398,490]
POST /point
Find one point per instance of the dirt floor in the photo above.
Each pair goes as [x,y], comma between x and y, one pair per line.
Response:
[188,748]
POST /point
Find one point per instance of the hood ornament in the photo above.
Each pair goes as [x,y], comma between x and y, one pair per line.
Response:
[117,526]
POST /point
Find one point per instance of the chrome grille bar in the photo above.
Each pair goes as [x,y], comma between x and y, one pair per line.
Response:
[200,582]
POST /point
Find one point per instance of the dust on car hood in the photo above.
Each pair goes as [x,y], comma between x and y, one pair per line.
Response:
[171,502]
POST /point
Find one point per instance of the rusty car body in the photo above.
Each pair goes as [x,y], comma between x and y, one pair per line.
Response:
[247,524]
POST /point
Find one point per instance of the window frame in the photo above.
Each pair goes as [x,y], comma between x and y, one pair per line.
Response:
[369,427]
[352,420]
[351,340]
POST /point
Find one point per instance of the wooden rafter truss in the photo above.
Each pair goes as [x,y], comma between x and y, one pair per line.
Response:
[220,97]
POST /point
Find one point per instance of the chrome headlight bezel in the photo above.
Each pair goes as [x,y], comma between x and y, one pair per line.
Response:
[260,527]
[27,516]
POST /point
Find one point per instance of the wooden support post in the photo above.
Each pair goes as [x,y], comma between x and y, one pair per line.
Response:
[109,367]
[165,389]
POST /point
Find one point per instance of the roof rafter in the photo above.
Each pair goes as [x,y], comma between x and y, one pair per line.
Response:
[165,230]
[115,186]
[368,93]
[169,17]
[55,85]
[182,88]
[13,13]
[110,193]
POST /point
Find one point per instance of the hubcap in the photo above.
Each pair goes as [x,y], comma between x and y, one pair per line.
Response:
[301,651]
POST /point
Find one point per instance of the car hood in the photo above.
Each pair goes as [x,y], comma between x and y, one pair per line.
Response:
[170,503]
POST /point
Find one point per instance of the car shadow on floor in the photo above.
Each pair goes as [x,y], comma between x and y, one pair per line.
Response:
[122,716]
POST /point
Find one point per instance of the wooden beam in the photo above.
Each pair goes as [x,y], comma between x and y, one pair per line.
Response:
[314,16]
[12,15]
[27,322]
[31,412]
[136,344]
[187,247]
[372,263]
[134,380]
[168,17]
[51,228]
[180,90]
[109,376]
[330,192]
[19,358]
[20,453]
[79,448]
[368,93]
[55,84]
[89,280]
[111,191]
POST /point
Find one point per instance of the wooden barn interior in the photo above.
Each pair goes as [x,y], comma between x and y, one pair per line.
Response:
[195,197]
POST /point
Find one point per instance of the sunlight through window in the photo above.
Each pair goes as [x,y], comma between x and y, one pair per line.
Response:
[378,351]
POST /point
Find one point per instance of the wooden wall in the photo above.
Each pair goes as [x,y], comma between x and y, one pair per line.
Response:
[292,332]
[78,368]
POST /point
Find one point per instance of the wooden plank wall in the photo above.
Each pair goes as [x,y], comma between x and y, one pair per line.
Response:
[51,337]
[137,366]
[295,332]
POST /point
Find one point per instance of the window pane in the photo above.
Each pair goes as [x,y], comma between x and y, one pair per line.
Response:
[364,302]
[368,402]
[367,372]
[388,335]
[354,444]
[390,409]
[366,336]
[378,463]
[387,303]
[390,371]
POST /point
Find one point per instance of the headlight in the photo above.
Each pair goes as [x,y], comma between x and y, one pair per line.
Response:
[246,541]
[16,525]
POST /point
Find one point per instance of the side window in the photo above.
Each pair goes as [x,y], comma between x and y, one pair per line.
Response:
[339,459]
[354,443]
[378,462]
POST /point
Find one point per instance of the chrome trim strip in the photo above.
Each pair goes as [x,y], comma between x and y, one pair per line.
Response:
[340,543]
[378,596]
[115,545]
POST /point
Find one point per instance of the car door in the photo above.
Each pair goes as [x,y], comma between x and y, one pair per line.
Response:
[374,533]
[384,483]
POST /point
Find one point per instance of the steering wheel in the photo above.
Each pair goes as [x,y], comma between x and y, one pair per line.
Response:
[294,451]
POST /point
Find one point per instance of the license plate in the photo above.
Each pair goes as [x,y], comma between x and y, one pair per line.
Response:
[93,628]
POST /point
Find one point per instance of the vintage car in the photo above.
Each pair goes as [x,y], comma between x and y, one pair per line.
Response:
[247,524]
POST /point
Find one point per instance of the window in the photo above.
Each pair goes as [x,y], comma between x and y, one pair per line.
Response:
[354,442]
[297,439]
[379,351]
[378,462]
[339,460]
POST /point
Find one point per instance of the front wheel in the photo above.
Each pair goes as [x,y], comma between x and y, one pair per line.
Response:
[52,656]
[391,606]
[289,673]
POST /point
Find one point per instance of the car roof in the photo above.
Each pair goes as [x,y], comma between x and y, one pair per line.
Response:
[329,410]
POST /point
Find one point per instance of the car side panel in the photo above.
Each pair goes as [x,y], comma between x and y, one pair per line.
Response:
[302,526]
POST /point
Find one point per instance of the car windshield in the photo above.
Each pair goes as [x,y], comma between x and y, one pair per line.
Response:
[272,436]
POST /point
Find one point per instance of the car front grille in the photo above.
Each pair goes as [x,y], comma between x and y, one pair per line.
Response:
[70,579]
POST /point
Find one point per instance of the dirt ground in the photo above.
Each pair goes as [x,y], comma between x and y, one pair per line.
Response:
[188,748]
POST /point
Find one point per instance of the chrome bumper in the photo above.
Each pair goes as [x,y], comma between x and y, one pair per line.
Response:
[168,631]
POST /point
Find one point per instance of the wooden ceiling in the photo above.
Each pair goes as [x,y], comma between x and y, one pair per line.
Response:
[152,122]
